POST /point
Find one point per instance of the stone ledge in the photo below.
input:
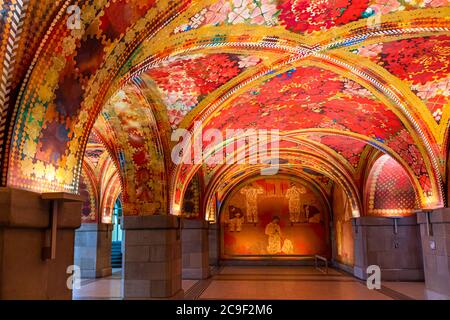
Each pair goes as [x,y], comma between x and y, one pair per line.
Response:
[150,222]
[436,216]
[26,209]
[194,224]
[385,222]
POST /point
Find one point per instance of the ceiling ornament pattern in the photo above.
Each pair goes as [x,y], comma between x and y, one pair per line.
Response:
[140,153]
[316,163]
[325,101]
[75,71]
[72,74]
[421,62]
[302,16]
[350,149]
[389,190]
[184,82]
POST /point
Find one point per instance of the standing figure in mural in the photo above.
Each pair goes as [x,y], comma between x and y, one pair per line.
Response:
[294,196]
[236,219]
[251,194]
[273,231]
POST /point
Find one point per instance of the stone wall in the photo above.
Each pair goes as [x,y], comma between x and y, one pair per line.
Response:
[214,244]
[195,249]
[435,235]
[152,257]
[24,227]
[93,250]
[396,250]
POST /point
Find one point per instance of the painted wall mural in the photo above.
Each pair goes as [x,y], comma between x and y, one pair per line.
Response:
[343,229]
[389,191]
[192,200]
[273,217]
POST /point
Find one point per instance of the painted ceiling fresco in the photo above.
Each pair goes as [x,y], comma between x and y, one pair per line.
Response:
[309,97]
[350,149]
[422,63]
[337,75]
[302,16]
[185,82]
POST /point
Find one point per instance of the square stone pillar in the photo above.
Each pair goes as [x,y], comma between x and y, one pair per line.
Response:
[152,257]
[195,249]
[37,244]
[214,244]
[93,250]
[391,244]
[435,235]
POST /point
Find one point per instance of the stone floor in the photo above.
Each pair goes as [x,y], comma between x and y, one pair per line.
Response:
[269,283]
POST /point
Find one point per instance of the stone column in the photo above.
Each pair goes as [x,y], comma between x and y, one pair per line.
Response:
[392,244]
[152,257]
[435,235]
[195,249]
[30,266]
[93,250]
[214,244]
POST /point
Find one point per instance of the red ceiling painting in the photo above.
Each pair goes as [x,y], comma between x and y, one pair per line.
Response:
[423,63]
[185,82]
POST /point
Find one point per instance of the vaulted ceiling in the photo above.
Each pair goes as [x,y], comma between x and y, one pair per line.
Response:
[344,81]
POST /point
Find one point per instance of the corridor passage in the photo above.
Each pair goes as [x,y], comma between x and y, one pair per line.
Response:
[264,282]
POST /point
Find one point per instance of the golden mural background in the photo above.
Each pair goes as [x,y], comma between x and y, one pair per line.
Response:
[274,218]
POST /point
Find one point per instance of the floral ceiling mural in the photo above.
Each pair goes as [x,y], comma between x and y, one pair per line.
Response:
[298,15]
[342,78]
[185,82]
[423,63]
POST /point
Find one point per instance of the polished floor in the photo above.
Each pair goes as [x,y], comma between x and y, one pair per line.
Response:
[248,283]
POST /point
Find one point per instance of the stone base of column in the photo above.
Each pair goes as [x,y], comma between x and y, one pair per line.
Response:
[435,236]
[93,250]
[195,249]
[394,246]
[152,258]
[214,244]
[25,224]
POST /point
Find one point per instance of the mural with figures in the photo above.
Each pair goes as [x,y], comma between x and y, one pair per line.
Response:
[274,217]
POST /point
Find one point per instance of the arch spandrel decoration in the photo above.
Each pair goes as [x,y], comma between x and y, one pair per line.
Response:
[388,190]
[75,72]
